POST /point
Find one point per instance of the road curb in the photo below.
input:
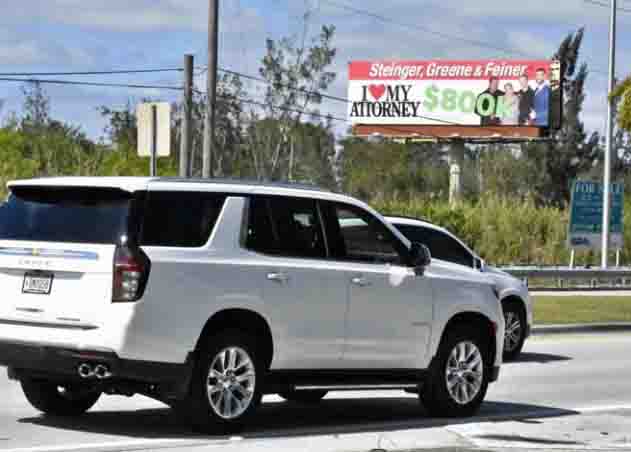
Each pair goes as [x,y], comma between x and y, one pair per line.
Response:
[543,330]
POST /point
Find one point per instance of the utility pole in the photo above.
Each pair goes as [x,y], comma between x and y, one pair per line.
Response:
[187,117]
[609,132]
[209,123]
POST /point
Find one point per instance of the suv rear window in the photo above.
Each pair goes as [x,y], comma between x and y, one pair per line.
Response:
[73,215]
[180,219]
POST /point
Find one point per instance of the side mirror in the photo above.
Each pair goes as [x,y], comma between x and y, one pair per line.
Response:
[480,264]
[420,256]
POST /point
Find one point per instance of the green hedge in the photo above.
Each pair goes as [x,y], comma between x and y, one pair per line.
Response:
[505,231]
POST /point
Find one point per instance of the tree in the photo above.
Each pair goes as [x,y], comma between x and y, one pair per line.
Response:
[296,70]
[56,148]
[388,170]
[622,93]
[13,164]
[121,128]
[571,151]
[316,161]
[230,117]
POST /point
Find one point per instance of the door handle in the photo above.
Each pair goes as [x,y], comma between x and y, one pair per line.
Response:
[278,277]
[360,281]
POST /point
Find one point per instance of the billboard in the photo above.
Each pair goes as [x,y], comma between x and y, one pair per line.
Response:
[586,216]
[487,93]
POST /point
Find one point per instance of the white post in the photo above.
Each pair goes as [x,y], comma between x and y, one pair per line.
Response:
[454,184]
[609,137]
[153,162]
[572,258]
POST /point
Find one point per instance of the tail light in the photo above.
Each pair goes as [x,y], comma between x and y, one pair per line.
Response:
[131,272]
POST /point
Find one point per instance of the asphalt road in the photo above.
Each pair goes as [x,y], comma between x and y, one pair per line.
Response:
[558,382]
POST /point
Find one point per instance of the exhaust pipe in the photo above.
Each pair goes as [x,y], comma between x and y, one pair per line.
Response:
[85,370]
[101,372]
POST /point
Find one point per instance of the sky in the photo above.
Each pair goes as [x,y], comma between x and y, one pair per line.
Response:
[93,35]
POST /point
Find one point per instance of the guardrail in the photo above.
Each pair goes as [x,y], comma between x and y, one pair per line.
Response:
[567,278]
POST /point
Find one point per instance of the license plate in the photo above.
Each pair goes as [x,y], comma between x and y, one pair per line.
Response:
[37,283]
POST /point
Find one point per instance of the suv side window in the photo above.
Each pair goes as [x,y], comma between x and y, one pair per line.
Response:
[441,245]
[285,226]
[180,219]
[358,236]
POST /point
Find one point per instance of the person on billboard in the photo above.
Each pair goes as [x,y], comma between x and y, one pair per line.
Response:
[526,101]
[542,99]
[487,102]
[510,112]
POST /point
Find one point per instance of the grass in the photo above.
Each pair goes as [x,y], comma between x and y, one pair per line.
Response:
[589,309]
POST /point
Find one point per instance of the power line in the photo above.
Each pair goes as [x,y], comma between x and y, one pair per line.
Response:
[111,72]
[96,84]
[442,35]
[283,85]
[606,5]
[439,34]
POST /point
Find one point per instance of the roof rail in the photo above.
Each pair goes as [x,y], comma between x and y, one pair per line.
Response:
[247,182]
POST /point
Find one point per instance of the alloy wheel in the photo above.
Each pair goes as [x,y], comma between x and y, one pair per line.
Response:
[231,382]
[465,372]
[513,331]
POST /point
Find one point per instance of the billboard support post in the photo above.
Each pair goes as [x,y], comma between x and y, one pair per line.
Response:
[609,132]
[456,160]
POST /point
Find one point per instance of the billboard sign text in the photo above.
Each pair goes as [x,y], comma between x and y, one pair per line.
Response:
[458,93]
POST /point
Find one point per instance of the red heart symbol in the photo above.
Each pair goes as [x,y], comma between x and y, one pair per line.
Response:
[377,91]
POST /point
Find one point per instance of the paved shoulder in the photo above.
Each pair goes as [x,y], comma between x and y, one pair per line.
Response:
[539,330]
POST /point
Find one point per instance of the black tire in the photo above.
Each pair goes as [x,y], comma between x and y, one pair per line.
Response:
[514,312]
[303,396]
[51,398]
[434,393]
[203,416]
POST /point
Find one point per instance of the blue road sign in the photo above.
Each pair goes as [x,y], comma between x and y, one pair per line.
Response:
[586,215]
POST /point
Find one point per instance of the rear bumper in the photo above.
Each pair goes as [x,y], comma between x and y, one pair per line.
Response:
[27,360]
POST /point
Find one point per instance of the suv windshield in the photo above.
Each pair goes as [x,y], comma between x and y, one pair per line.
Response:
[75,215]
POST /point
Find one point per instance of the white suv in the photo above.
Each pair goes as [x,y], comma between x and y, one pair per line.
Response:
[516,301]
[208,294]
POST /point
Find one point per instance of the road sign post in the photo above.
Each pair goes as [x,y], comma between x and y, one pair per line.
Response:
[605,245]
[154,141]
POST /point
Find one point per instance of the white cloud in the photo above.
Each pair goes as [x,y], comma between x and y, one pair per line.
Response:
[126,15]
[528,43]
[24,52]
